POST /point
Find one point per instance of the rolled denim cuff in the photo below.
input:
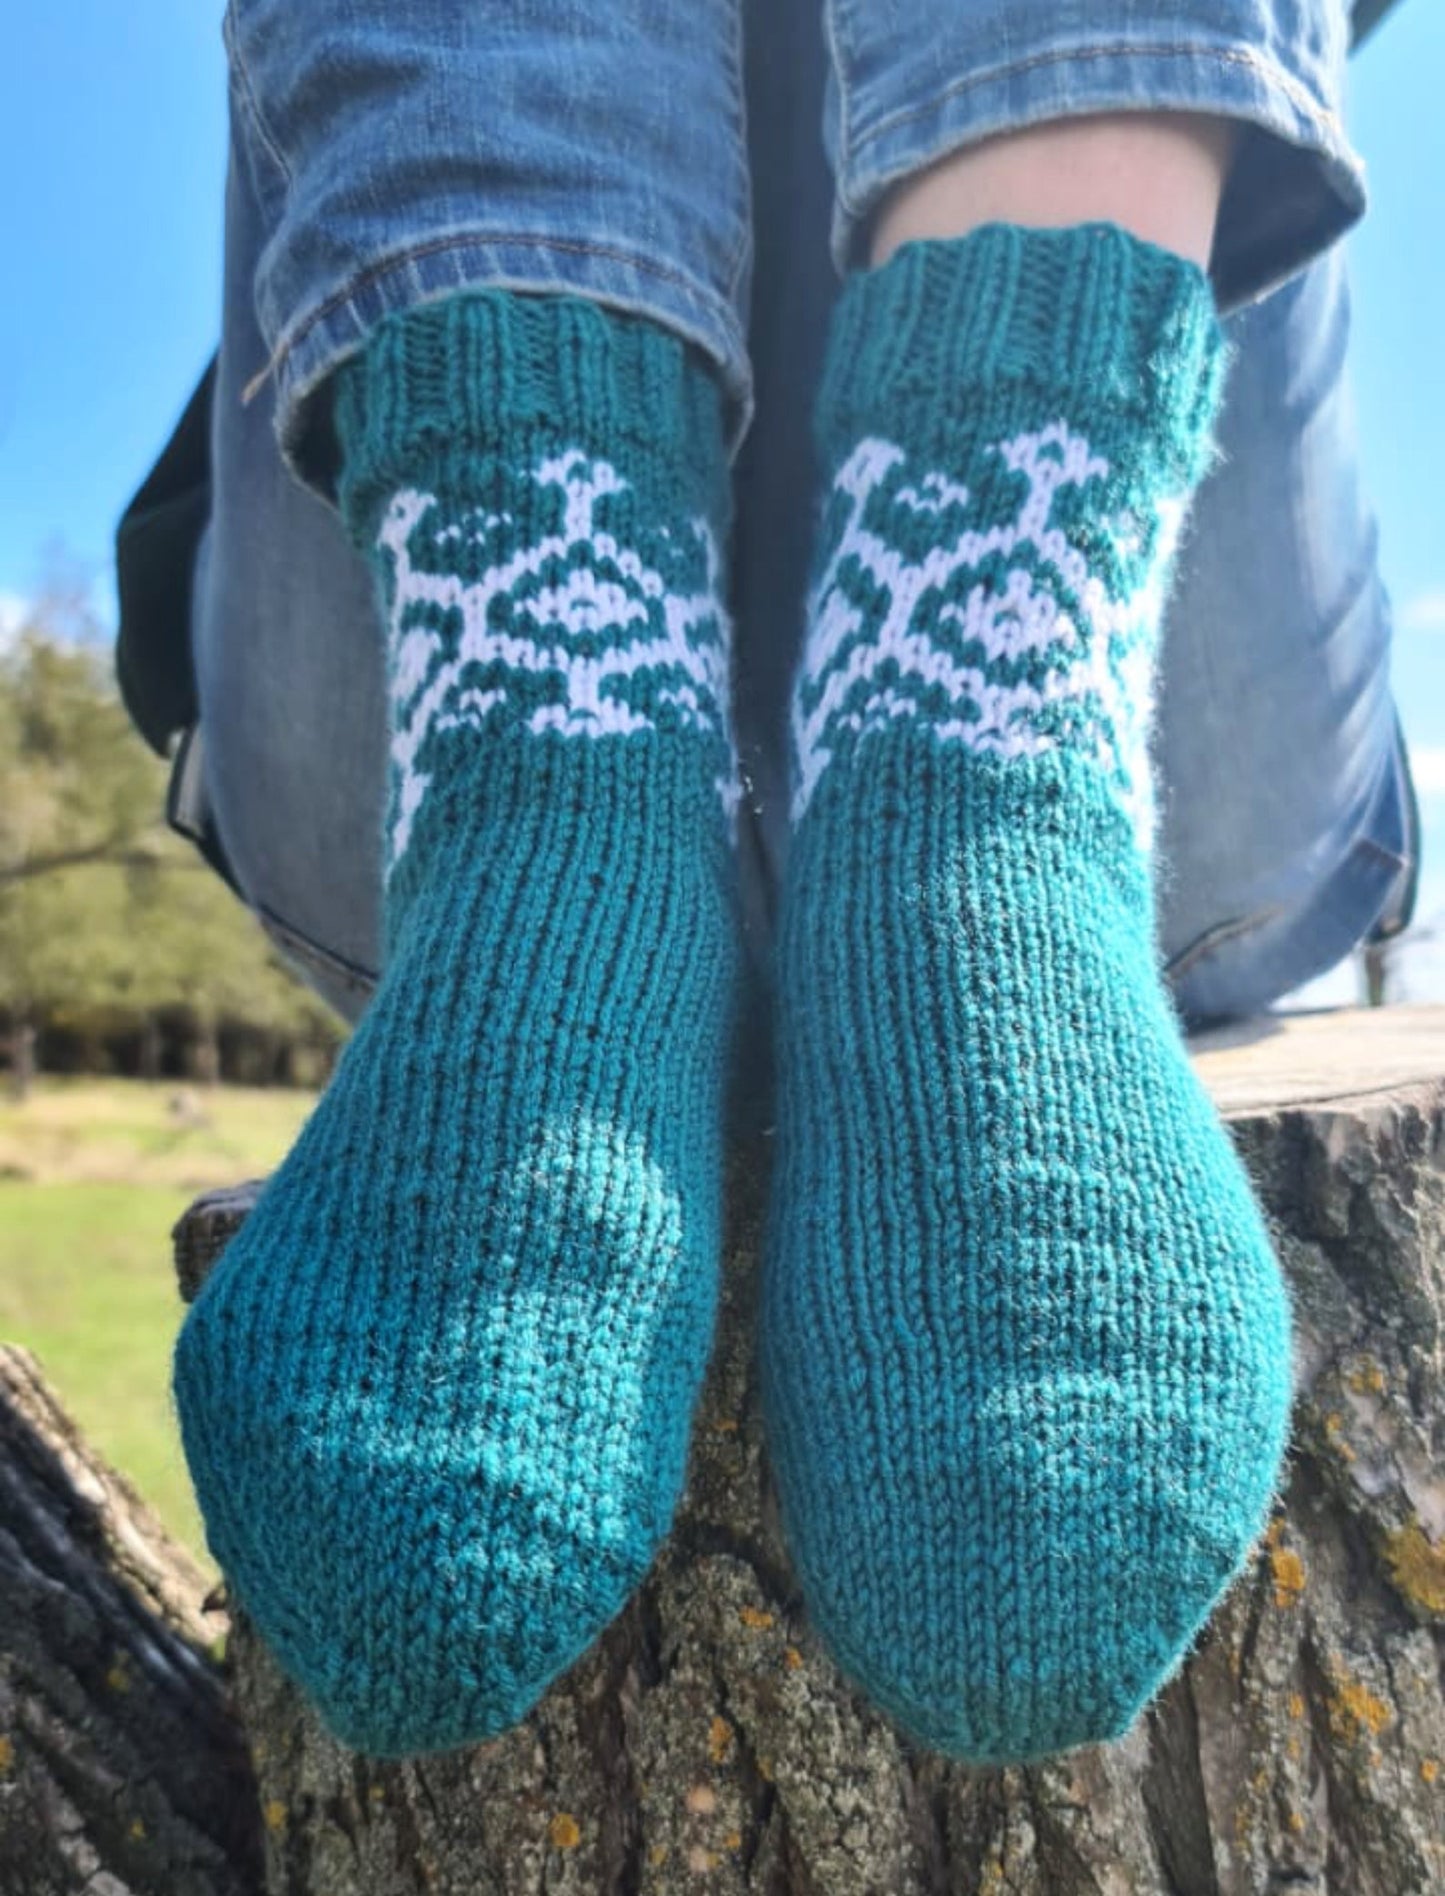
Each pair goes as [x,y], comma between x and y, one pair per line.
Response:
[398,157]
[1274,66]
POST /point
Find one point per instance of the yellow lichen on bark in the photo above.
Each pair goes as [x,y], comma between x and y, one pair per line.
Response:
[1366,1378]
[1355,1709]
[1289,1575]
[1418,1566]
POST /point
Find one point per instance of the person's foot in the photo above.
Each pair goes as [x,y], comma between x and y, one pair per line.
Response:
[436,1395]
[1026,1350]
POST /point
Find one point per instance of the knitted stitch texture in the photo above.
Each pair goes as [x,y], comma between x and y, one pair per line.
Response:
[1025,1349]
[436,1395]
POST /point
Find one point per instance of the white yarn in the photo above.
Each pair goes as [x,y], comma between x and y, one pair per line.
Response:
[608,591]
[1101,666]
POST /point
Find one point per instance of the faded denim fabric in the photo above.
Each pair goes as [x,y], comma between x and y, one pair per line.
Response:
[910,82]
[400,151]
[382,156]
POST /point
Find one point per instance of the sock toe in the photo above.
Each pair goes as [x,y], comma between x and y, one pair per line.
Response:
[423,1577]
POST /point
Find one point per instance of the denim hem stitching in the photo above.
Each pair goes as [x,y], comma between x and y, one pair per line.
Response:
[1216,937]
[241,78]
[1298,96]
[350,974]
[845,96]
[742,169]
[290,344]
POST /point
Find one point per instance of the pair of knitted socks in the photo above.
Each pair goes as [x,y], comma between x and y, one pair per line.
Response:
[1025,1350]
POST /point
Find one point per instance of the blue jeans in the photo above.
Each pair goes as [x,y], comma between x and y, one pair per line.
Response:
[659,158]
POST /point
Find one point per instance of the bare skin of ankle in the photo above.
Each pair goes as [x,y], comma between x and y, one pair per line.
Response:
[1158,174]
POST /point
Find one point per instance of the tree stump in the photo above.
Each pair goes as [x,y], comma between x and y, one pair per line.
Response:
[122,1769]
[707,1744]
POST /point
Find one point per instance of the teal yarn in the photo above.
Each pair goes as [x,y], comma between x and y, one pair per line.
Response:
[1026,1352]
[436,1395]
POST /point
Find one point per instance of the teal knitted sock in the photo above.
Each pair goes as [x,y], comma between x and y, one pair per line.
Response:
[1026,1351]
[436,1395]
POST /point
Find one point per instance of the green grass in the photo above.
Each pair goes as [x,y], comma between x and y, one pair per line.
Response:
[93,1175]
[137,1133]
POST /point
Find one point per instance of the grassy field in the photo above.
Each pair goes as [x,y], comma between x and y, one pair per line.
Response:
[93,1174]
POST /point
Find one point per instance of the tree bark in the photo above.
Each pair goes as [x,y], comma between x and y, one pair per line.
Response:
[123,1771]
[205,1054]
[22,1058]
[707,1744]
[152,1047]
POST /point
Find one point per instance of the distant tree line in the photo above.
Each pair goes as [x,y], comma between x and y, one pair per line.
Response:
[120,951]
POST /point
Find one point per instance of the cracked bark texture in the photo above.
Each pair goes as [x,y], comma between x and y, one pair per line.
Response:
[122,1769]
[707,1744]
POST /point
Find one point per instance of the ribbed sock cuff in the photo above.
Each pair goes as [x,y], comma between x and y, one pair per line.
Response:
[1088,322]
[439,385]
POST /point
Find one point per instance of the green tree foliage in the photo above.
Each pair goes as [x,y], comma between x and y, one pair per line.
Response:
[110,925]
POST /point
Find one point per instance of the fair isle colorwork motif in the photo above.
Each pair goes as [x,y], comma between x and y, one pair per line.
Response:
[999,637]
[573,631]
[436,1397]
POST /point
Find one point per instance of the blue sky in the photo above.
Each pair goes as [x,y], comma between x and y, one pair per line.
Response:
[112,147]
